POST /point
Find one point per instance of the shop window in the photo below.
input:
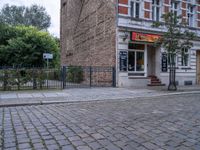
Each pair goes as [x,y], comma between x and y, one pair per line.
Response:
[156,10]
[184,57]
[140,61]
[131,61]
[135,8]
[136,61]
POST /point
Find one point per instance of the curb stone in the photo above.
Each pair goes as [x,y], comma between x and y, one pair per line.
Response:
[44,102]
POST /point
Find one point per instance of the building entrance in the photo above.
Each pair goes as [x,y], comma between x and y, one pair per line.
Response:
[151,59]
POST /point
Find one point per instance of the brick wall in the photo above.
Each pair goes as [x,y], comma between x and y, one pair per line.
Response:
[88,31]
[123,7]
[198,13]
[147,9]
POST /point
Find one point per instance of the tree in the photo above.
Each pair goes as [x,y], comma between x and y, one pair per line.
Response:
[176,38]
[29,16]
[24,46]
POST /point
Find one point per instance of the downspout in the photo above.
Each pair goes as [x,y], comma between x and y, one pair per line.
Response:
[116,42]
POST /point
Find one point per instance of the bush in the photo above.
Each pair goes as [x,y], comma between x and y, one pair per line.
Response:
[75,74]
[14,78]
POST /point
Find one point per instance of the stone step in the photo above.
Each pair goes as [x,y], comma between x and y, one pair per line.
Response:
[156,84]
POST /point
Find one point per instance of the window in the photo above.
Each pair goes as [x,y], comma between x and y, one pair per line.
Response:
[175,7]
[136,58]
[172,59]
[135,61]
[139,61]
[131,61]
[190,15]
[156,10]
[135,8]
[184,57]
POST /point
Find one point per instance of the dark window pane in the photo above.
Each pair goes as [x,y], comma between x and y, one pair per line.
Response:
[136,46]
[131,61]
[137,13]
[157,14]
[175,5]
[132,9]
[140,61]
[153,11]
[157,2]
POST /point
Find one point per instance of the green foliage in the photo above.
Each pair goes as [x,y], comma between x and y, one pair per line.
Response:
[177,36]
[75,74]
[29,16]
[17,79]
[24,46]
[14,78]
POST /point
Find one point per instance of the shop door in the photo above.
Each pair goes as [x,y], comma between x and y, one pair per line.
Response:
[198,67]
[151,60]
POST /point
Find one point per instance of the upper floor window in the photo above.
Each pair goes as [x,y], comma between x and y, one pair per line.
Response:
[135,8]
[190,15]
[156,10]
[175,7]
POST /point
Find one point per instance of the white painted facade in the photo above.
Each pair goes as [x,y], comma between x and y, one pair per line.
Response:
[126,25]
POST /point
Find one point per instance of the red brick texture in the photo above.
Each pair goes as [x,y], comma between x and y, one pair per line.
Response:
[123,10]
[88,33]
[166,7]
[147,7]
[123,2]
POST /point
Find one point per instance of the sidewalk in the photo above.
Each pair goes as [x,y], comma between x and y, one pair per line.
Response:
[87,94]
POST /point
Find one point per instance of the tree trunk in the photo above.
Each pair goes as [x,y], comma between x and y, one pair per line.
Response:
[172,77]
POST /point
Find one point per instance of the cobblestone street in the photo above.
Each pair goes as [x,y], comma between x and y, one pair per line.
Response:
[167,123]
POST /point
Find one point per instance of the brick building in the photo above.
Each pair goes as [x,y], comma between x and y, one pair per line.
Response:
[119,33]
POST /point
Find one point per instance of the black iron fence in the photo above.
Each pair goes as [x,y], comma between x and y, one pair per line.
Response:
[61,78]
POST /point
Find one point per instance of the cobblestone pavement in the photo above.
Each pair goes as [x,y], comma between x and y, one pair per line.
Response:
[71,95]
[165,123]
[85,94]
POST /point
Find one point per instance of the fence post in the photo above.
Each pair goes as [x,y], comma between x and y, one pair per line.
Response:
[90,76]
[113,77]
[34,79]
[64,73]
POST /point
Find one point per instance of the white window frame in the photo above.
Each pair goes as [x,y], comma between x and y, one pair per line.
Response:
[154,7]
[191,19]
[134,8]
[173,9]
[136,51]
[181,58]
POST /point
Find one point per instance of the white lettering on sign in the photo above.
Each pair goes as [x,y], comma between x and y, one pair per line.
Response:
[47,56]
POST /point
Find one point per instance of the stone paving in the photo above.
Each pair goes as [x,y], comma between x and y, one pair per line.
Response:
[85,94]
[71,95]
[162,123]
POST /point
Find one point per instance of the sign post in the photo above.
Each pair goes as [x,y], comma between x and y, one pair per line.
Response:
[47,56]
[164,62]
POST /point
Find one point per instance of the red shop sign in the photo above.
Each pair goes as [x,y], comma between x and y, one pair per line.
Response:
[144,37]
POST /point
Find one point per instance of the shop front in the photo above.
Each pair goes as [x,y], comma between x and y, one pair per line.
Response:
[138,59]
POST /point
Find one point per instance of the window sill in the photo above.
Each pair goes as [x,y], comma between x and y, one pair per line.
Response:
[185,68]
[134,77]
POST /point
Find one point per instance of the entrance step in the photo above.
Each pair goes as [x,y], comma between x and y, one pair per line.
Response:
[155,81]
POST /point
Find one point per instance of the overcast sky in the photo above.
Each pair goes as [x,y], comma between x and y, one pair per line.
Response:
[52,7]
